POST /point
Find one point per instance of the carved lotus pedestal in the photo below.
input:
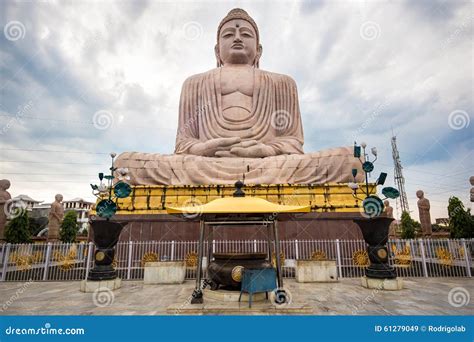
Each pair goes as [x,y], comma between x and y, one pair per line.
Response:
[103,275]
[379,274]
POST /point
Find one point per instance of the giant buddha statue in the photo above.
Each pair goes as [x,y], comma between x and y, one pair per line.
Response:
[237,121]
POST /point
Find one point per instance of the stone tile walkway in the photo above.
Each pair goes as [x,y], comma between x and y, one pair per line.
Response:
[421,296]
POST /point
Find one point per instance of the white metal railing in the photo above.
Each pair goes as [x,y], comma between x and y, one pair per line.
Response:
[65,261]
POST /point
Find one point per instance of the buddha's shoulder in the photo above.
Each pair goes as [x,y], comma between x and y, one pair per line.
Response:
[280,78]
[199,77]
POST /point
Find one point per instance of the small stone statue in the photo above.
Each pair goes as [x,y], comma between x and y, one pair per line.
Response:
[424,212]
[472,189]
[56,215]
[389,213]
[4,198]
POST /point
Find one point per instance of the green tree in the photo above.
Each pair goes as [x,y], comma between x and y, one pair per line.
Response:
[17,230]
[69,227]
[408,226]
[461,223]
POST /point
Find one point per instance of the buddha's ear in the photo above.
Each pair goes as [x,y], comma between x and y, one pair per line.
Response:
[218,57]
[257,57]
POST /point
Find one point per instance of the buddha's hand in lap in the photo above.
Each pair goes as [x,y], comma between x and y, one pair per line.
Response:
[212,147]
[248,149]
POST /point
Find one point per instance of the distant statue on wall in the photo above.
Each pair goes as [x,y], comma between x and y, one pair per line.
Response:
[389,213]
[424,212]
[4,198]
[56,215]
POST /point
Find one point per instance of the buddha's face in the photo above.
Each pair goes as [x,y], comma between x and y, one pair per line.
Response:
[238,43]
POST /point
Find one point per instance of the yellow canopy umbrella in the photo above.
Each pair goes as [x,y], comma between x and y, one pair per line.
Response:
[239,205]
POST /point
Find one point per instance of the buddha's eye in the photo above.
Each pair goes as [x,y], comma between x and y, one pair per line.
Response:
[247,35]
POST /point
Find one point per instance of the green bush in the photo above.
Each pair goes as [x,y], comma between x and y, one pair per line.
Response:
[408,226]
[461,223]
[69,227]
[17,230]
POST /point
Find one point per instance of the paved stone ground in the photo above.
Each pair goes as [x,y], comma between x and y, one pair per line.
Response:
[421,296]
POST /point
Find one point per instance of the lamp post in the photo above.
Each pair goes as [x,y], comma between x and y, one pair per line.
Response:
[373,226]
[105,231]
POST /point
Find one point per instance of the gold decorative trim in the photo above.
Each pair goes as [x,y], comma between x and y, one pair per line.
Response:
[445,257]
[237,273]
[360,258]
[402,256]
[191,259]
[149,257]
[318,255]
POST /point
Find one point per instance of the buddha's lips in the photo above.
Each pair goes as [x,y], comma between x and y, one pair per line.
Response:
[237,46]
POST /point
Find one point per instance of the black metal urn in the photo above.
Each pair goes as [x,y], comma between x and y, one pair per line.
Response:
[375,231]
[226,268]
[106,234]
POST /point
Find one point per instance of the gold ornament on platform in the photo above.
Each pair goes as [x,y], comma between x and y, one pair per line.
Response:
[237,273]
[21,261]
[99,256]
[461,252]
[150,257]
[191,259]
[402,256]
[444,256]
[360,258]
[318,255]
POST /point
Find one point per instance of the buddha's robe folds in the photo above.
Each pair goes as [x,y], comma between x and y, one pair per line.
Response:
[274,120]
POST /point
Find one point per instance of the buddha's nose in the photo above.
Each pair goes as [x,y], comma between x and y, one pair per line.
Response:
[237,37]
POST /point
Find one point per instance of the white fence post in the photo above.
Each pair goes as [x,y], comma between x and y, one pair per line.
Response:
[88,261]
[255,246]
[297,251]
[423,258]
[6,256]
[466,257]
[129,263]
[339,261]
[46,261]
[172,250]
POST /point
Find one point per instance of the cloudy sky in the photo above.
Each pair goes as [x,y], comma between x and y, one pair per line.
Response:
[82,78]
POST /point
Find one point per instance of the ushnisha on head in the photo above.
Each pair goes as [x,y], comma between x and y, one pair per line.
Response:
[4,184]
[238,40]
[58,198]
